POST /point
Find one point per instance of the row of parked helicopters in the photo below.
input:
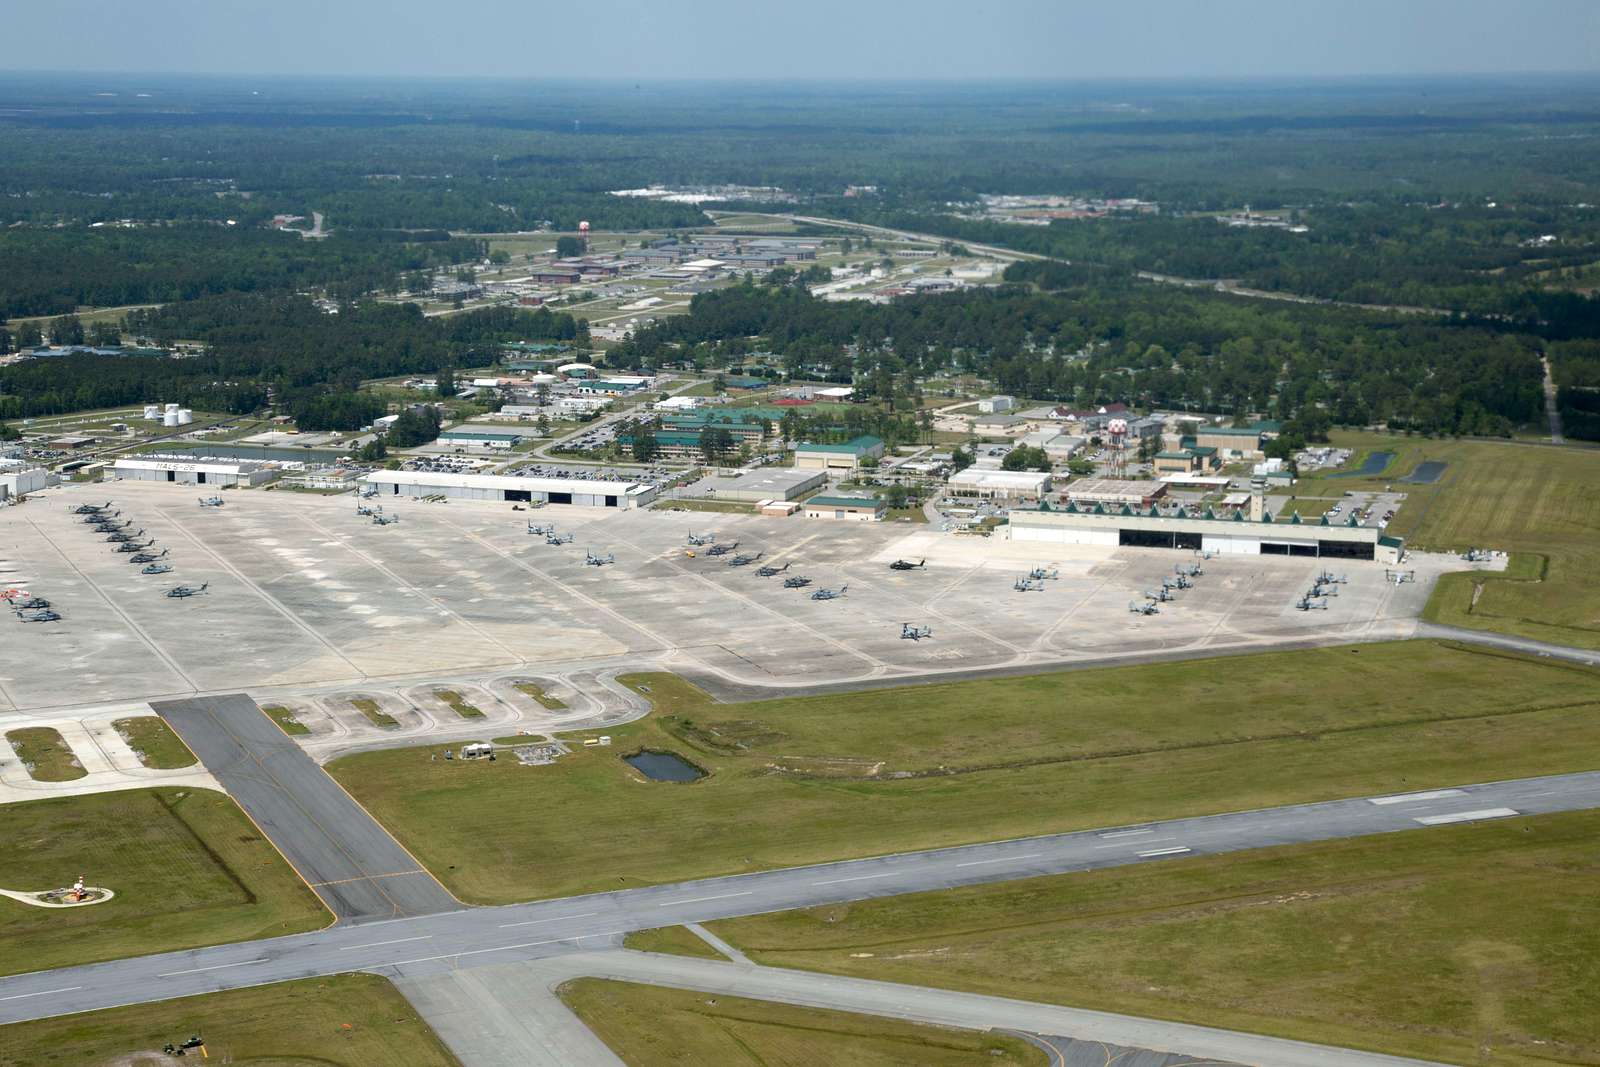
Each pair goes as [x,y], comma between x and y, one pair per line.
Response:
[376,513]
[1183,576]
[714,549]
[1323,586]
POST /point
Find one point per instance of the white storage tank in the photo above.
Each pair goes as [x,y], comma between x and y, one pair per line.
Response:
[152,411]
[185,416]
[170,418]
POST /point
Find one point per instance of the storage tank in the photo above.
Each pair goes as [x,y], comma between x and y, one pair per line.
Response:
[185,416]
[152,411]
[170,418]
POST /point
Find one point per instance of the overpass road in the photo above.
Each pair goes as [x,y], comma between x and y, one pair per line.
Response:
[467,938]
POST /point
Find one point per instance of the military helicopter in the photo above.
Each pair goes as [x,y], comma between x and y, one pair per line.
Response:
[1477,555]
[30,602]
[42,615]
[701,539]
[914,633]
[90,509]
[1192,570]
[797,582]
[1318,588]
[122,535]
[1183,581]
[598,561]
[1040,574]
[135,546]
[1028,585]
[769,570]
[907,565]
[156,568]
[558,539]
[743,561]
[362,509]
[1147,607]
[148,557]
[179,592]
[385,520]
[829,594]
[721,550]
[1327,578]
[211,501]
[100,516]
[1163,596]
[1399,577]
[541,529]
[1310,603]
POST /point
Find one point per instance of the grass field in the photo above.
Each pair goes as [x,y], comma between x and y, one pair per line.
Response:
[347,1020]
[536,691]
[808,779]
[154,741]
[375,715]
[677,940]
[285,719]
[457,704]
[648,1026]
[47,756]
[1534,501]
[1397,942]
[188,869]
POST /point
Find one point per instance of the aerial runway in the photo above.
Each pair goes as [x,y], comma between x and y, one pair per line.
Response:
[580,928]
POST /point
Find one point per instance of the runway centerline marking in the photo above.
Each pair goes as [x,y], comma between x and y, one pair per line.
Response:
[378,944]
[1001,859]
[1145,841]
[1466,816]
[213,967]
[1408,798]
[536,922]
[857,878]
[42,993]
[696,900]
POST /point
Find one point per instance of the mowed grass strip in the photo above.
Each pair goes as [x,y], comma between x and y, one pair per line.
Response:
[46,754]
[375,715]
[347,1020]
[285,719]
[454,701]
[672,940]
[1535,501]
[155,743]
[810,779]
[649,1026]
[187,868]
[536,691]
[1470,944]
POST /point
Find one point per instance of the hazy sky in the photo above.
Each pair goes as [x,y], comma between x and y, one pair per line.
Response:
[815,39]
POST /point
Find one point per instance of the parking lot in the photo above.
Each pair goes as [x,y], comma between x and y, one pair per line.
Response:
[303,592]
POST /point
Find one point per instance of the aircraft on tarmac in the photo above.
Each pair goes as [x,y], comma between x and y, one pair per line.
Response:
[30,602]
[1040,574]
[598,561]
[156,568]
[541,529]
[743,561]
[135,546]
[100,516]
[1319,588]
[1164,596]
[797,582]
[211,501]
[1148,607]
[914,633]
[1326,578]
[907,565]
[558,539]
[829,594]
[42,615]
[1399,577]
[1028,585]
[769,570]
[90,509]
[384,520]
[721,550]
[1310,603]
[106,526]
[1183,581]
[1477,555]
[701,539]
[122,535]
[362,509]
[1192,570]
[179,592]
[148,557]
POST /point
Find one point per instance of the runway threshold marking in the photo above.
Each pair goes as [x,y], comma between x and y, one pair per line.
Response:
[1001,859]
[42,993]
[536,922]
[1174,851]
[213,967]
[696,900]
[1407,798]
[1146,841]
[396,941]
[856,878]
[1466,816]
[1124,833]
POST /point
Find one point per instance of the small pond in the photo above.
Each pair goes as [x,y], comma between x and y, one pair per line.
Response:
[664,767]
[1426,473]
[1374,464]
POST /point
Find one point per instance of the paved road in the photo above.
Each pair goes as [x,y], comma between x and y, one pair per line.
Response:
[1510,643]
[1551,411]
[352,863]
[475,937]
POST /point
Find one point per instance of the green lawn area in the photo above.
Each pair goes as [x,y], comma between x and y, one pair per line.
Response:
[536,691]
[676,940]
[457,704]
[155,742]
[1473,944]
[46,754]
[1537,502]
[285,719]
[347,1020]
[187,868]
[648,1026]
[807,779]
[375,715]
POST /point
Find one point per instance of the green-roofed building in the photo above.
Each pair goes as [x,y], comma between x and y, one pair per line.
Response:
[844,508]
[851,455]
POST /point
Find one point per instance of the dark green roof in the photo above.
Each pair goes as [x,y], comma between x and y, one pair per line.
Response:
[859,446]
[1391,542]
[845,502]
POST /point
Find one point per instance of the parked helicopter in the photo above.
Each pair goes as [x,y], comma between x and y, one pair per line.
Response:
[90,509]
[179,592]
[1311,603]
[769,570]
[147,557]
[829,594]
[907,565]
[721,550]
[122,535]
[598,561]
[385,520]
[1028,585]
[701,539]
[135,546]
[156,568]
[30,602]
[914,633]
[211,501]
[1040,574]
[797,582]
[743,561]
[1147,607]
[362,509]
[42,615]
[1327,578]
[1163,596]
[559,539]
[541,529]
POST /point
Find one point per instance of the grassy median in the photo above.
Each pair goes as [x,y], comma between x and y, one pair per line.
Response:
[1471,944]
[46,754]
[187,868]
[808,779]
[348,1020]
[154,742]
[648,1026]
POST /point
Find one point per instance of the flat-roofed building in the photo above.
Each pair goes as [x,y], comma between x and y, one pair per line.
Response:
[848,457]
[844,508]
[984,483]
[215,472]
[1201,529]
[1114,492]
[586,492]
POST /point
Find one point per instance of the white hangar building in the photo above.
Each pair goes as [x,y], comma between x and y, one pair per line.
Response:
[585,492]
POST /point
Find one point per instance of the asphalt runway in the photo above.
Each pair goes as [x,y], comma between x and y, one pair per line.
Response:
[429,945]
[351,862]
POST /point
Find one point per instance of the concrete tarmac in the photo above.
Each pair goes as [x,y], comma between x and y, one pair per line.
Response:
[351,862]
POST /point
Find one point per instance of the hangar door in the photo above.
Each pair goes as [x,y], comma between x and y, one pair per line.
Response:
[559,498]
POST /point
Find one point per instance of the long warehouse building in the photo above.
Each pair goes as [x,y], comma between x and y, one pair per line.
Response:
[1204,531]
[585,492]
